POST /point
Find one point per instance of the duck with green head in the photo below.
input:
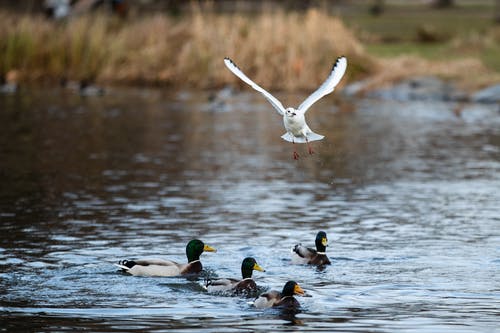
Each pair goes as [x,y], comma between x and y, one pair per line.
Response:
[247,284]
[161,267]
[306,255]
[283,299]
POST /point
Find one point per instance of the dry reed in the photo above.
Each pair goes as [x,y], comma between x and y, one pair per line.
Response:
[287,51]
[469,74]
[284,50]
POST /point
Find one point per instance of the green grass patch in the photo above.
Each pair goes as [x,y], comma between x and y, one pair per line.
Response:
[491,58]
[401,22]
[464,31]
[428,51]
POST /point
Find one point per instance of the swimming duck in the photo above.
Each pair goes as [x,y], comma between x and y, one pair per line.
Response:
[284,299]
[161,267]
[237,286]
[86,88]
[8,83]
[306,255]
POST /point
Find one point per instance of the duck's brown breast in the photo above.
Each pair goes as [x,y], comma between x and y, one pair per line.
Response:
[192,268]
[245,285]
[320,259]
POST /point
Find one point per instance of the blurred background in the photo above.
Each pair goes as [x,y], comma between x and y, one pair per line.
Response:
[182,43]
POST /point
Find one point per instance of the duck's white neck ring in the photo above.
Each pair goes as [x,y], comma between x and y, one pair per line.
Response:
[191,262]
[322,253]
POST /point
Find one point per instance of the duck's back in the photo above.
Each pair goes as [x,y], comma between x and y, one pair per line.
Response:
[302,254]
[155,267]
[159,267]
[220,285]
[267,300]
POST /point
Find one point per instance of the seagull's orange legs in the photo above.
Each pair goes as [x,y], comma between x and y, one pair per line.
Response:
[311,151]
[309,148]
[295,154]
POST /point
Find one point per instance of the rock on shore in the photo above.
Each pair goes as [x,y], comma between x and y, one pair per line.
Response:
[424,88]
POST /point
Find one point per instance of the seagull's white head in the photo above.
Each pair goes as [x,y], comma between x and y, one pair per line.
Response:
[290,112]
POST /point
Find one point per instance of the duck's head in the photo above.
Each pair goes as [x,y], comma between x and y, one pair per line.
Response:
[290,112]
[321,241]
[292,288]
[248,266]
[195,248]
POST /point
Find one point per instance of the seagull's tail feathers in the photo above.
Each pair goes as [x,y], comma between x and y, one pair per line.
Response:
[300,139]
[314,137]
[290,138]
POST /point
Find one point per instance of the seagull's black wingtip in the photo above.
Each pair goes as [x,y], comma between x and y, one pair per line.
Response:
[337,61]
[231,62]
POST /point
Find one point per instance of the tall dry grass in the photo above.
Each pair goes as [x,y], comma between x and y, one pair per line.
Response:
[468,74]
[39,49]
[282,50]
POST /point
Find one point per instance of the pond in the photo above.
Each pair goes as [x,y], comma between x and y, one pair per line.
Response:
[408,194]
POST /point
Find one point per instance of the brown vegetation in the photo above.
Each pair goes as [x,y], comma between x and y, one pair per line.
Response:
[468,73]
[285,50]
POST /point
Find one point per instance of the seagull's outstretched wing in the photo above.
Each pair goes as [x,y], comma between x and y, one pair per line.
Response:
[236,71]
[327,87]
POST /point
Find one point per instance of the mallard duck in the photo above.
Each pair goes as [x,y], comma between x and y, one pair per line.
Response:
[161,267]
[236,286]
[284,299]
[306,255]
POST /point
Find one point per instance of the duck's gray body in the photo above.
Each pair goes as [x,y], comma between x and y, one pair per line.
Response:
[159,267]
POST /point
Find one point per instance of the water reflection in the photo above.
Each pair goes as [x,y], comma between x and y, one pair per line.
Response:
[407,193]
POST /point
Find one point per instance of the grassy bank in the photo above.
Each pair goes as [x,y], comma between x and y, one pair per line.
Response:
[284,50]
[186,51]
[461,43]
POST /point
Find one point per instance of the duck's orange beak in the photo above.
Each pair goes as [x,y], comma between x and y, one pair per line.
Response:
[256,267]
[298,290]
[208,248]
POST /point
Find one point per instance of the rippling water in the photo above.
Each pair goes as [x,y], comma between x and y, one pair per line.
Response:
[408,194]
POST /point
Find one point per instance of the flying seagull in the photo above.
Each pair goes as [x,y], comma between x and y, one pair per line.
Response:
[294,119]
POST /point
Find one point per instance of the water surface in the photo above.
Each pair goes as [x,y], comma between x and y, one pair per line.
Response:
[407,193]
